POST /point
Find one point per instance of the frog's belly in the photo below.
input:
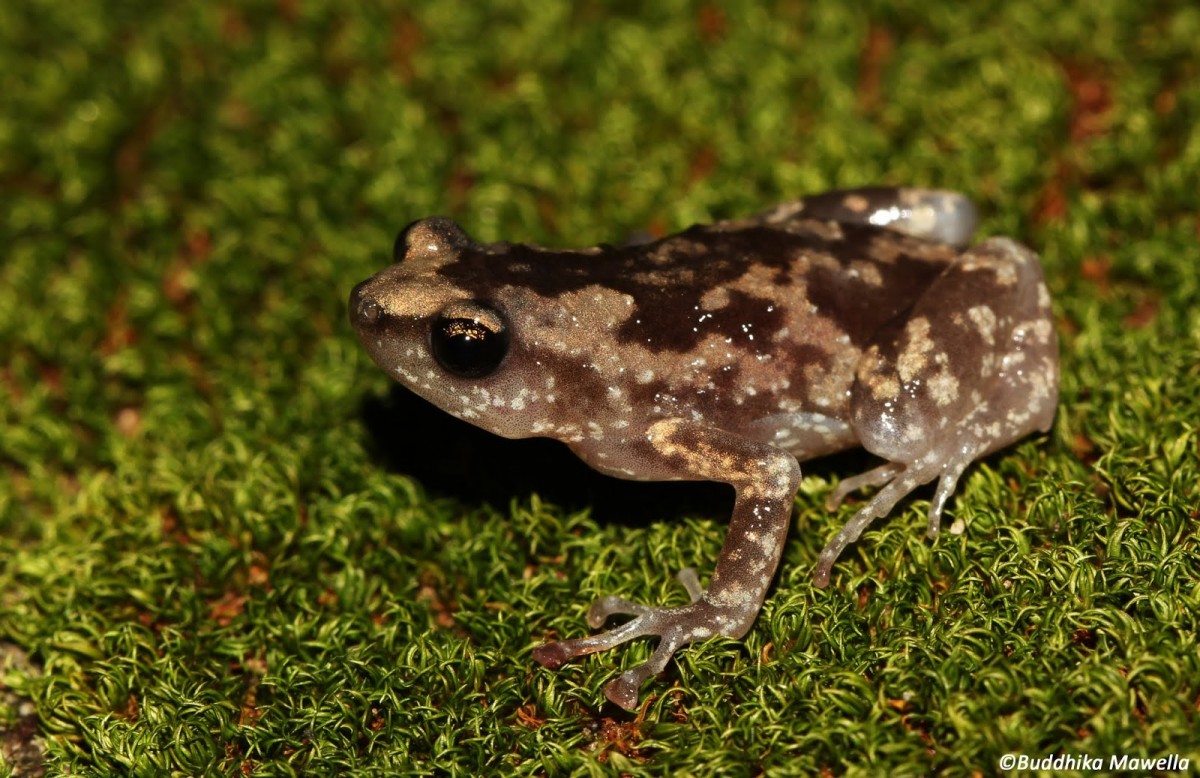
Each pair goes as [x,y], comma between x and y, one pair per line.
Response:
[803,435]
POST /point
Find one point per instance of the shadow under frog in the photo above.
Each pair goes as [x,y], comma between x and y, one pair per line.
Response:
[452,458]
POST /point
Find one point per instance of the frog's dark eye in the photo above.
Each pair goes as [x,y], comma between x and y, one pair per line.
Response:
[469,339]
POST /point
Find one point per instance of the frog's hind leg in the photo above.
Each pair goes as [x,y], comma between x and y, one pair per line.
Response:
[932,214]
[971,368]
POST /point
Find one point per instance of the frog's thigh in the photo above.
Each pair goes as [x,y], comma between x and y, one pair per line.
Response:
[932,214]
[972,368]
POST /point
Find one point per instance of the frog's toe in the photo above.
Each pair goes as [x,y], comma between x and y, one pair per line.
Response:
[623,690]
[674,628]
[552,655]
[945,488]
[555,655]
[875,477]
[900,481]
[612,605]
[690,581]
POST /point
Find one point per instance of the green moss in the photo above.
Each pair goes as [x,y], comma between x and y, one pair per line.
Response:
[211,548]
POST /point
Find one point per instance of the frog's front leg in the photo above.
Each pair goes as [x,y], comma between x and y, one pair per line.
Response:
[765,479]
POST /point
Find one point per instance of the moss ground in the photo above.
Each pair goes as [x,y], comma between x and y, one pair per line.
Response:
[227,546]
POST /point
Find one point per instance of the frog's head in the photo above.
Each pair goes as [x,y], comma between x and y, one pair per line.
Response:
[436,336]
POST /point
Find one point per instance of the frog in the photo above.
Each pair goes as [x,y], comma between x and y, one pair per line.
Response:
[731,352]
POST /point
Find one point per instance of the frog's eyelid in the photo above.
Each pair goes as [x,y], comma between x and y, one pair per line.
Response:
[430,237]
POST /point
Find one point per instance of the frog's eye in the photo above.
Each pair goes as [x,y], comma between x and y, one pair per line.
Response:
[469,339]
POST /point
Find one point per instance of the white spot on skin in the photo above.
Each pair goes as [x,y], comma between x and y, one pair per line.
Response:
[735,596]
[985,321]
[867,272]
[769,546]
[872,372]
[1043,296]
[913,360]
[1012,359]
[856,203]
[715,299]
[943,387]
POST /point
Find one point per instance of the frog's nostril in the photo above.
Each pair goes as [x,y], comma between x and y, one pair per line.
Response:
[364,309]
[369,310]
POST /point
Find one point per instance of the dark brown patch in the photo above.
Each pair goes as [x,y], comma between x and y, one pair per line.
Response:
[712,23]
[289,10]
[1090,88]
[1145,313]
[1091,99]
[118,334]
[227,608]
[1084,449]
[1166,101]
[459,185]
[130,711]
[703,162]
[1084,638]
[176,281]
[1052,200]
[442,607]
[407,39]
[1096,270]
[129,162]
[876,53]
[621,736]
[746,322]
[527,717]
[234,28]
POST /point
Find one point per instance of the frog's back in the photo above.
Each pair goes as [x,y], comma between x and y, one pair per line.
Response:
[732,322]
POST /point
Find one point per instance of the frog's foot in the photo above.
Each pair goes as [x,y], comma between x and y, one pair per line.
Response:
[675,628]
[887,472]
[900,481]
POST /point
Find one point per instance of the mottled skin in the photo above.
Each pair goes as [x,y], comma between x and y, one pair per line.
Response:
[729,353]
